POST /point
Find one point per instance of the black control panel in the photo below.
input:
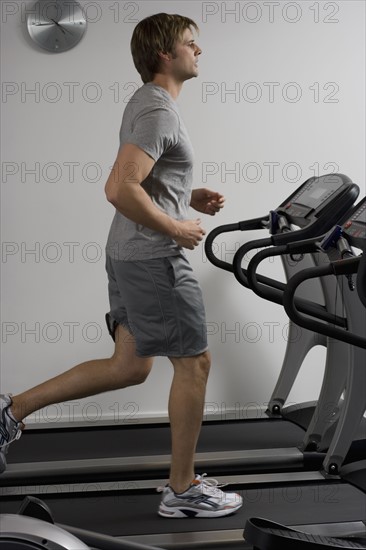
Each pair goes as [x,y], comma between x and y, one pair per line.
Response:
[355,227]
[315,195]
[316,192]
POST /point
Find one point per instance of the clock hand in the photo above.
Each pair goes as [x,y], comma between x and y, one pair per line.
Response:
[61,27]
[58,25]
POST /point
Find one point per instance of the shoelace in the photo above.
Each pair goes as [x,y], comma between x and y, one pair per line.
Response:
[209,482]
[5,442]
[5,436]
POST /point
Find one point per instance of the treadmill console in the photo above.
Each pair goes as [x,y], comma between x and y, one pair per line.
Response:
[314,195]
[355,226]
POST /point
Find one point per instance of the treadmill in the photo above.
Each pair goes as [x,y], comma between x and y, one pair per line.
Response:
[337,245]
[328,504]
[316,418]
[313,195]
[223,446]
[268,535]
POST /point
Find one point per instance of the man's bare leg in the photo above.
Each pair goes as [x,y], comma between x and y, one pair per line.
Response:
[123,369]
[186,405]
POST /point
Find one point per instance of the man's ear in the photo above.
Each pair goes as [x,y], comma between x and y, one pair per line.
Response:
[165,56]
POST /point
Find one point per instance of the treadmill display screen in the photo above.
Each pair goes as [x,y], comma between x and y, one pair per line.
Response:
[362,216]
[355,227]
[318,191]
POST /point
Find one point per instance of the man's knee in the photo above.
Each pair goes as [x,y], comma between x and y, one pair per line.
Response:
[204,361]
[134,370]
[139,375]
[194,366]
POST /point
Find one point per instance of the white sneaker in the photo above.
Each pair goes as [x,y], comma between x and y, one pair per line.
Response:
[203,499]
[10,429]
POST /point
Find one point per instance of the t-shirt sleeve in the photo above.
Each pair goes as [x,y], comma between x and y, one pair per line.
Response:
[155,131]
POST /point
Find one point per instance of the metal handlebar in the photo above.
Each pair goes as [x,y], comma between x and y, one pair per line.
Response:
[246,225]
[274,291]
[338,267]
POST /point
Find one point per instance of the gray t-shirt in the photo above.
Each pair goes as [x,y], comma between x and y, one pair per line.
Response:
[152,121]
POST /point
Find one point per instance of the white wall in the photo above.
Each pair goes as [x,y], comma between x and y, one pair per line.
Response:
[280,97]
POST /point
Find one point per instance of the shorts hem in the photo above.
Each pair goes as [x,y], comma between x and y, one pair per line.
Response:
[112,325]
[172,354]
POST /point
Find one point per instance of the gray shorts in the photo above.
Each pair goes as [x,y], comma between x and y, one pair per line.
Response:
[160,302]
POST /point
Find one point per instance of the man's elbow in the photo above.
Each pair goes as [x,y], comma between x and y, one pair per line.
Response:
[118,197]
[114,193]
[110,194]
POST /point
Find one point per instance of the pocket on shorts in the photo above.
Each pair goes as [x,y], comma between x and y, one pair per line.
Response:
[170,271]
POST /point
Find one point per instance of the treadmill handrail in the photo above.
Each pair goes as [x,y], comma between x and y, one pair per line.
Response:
[340,207]
[245,225]
[334,268]
[274,291]
[287,238]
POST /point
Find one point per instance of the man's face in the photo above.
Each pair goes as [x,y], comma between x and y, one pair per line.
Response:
[184,64]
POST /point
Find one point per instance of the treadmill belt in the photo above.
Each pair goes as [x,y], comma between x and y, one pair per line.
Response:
[121,514]
[113,441]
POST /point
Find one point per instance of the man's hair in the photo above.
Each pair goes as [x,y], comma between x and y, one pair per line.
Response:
[154,35]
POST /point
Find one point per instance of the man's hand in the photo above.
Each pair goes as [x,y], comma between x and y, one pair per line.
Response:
[189,233]
[206,201]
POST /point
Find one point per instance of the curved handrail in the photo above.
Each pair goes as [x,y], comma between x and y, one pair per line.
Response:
[246,225]
[274,292]
[347,266]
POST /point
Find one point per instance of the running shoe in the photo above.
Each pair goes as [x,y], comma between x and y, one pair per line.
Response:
[203,499]
[10,429]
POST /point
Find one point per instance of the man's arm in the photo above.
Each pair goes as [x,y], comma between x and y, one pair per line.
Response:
[123,189]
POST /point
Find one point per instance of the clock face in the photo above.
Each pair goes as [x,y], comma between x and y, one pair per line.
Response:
[56,25]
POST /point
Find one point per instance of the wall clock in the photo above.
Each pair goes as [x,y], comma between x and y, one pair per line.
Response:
[56,25]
